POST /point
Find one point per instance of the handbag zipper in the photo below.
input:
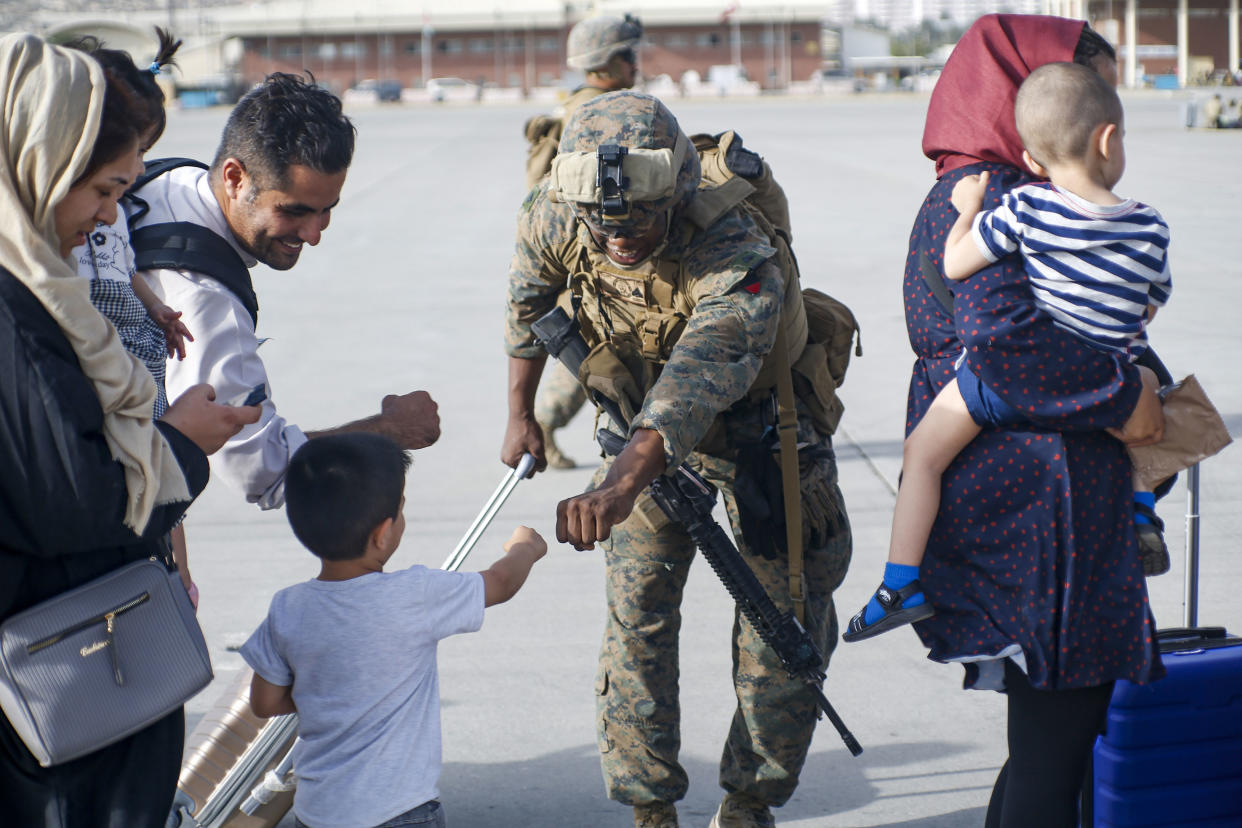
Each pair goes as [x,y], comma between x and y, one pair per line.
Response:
[108,619]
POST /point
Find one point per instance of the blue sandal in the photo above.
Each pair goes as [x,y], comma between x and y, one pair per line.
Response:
[895,614]
[1153,553]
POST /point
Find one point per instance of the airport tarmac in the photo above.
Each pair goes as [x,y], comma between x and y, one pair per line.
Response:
[406,291]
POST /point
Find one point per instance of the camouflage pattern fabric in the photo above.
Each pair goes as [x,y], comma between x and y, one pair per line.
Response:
[701,314]
[593,42]
[560,397]
[721,348]
[635,120]
[544,133]
[636,684]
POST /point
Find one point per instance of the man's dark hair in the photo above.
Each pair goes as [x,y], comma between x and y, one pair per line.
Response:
[286,120]
[340,487]
[1090,46]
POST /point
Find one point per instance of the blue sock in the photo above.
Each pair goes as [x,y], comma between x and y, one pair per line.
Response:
[1147,499]
[895,577]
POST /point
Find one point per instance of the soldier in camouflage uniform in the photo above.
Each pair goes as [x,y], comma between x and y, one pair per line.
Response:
[604,48]
[690,305]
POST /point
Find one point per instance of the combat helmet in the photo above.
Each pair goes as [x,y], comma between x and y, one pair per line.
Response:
[623,159]
[593,42]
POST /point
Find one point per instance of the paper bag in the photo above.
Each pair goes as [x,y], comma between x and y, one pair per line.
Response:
[1193,431]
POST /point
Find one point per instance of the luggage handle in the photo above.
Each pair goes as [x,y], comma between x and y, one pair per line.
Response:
[1191,634]
[1192,547]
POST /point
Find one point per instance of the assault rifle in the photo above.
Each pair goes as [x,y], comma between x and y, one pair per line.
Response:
[688,500]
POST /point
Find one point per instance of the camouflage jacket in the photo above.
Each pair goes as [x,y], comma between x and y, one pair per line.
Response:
[544,133]
[728,295]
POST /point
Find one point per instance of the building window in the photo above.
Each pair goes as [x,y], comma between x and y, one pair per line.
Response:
[412,47]
[547,44]
[677,41]
[795,37]
[327,51]
[480,45]
[353,50]
[448,47]
[289,51]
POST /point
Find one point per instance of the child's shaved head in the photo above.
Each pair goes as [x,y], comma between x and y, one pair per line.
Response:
[1058,107]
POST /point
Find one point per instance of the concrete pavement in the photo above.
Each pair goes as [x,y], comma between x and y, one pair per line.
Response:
[406,291]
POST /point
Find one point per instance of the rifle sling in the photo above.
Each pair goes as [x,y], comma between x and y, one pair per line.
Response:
[787,430]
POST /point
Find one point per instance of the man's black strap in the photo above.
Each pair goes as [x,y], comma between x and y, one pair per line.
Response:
[153,170]
[182,245]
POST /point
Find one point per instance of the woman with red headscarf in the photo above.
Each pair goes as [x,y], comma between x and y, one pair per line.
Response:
[1032,565]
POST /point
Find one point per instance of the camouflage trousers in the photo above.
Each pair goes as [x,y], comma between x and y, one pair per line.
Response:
[560,396]
[637,706]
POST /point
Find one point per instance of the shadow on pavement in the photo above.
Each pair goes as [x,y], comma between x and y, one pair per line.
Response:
[564,789]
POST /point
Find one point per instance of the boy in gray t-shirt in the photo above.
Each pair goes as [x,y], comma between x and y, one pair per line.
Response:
[353,652]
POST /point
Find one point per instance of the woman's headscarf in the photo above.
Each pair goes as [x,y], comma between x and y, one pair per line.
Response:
[970,115]
[52,101]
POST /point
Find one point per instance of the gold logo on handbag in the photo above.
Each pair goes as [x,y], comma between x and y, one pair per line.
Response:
[92,648]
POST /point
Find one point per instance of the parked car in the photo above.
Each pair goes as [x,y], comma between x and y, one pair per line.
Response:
[374,91]
[443,90]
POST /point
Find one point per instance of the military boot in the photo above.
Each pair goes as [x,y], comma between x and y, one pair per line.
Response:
[739,810]
[655,815]
[556,460]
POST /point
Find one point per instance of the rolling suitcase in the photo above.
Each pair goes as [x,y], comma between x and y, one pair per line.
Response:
[1171,751]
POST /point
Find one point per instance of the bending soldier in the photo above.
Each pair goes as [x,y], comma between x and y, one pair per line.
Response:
[605,48]
[685,305]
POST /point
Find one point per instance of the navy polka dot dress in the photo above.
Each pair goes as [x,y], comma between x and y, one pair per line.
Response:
[1034,543]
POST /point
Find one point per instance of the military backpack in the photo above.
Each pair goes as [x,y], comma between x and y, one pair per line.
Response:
[736,176]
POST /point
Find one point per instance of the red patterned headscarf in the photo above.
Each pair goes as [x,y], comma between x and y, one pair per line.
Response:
[970,116]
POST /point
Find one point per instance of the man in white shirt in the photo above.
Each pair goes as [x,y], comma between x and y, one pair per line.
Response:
[276,177]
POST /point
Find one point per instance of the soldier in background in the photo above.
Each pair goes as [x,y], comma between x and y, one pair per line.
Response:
[603,47]
[682,300]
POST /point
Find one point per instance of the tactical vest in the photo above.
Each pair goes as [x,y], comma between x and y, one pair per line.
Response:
[633,317]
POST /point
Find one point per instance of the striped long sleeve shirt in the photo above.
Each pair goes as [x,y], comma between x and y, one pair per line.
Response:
[1095,269]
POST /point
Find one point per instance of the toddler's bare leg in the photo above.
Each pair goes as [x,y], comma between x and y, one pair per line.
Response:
[944,431]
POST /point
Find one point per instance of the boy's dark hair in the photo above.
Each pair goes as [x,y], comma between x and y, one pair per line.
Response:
[139,81]
[285,120]
[340,487]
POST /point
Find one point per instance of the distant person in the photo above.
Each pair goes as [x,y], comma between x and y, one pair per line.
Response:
[353,651]
[604,47]
[1032,564]
[1211,112]
[271,189]
[149,329]
[1098,265]
[90,482]
[1230,116]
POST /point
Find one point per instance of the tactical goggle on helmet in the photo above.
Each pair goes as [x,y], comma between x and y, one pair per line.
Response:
[617,185]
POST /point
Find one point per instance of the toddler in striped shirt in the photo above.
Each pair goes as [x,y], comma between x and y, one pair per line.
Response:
[1097,264]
